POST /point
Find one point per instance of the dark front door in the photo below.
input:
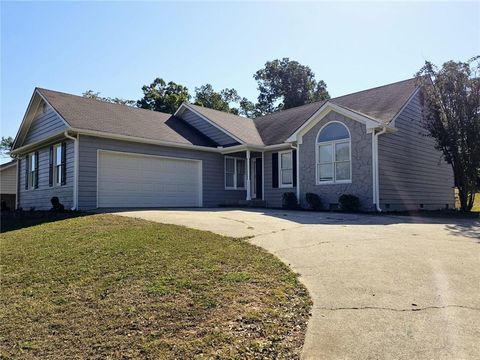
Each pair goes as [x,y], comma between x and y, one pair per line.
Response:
[258,178]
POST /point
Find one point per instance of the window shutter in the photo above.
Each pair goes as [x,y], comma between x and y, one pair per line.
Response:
[275,170]
[50,168]
[294,167]
[64,163]
[36,170]
[27,165]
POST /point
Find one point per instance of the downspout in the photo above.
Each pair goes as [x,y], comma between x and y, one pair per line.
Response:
[75,169]
[297,148]
[17,180]
[377,182]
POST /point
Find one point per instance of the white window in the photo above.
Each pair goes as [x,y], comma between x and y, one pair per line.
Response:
[235,173]
[333,154]
[57,164]
[285,168]
[33,170]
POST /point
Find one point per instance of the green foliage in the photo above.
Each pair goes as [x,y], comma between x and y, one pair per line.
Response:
[163,97]
[349,203]
[285,83]
[313,201]
[451,96]
[289,201]
[6,145]
[96,95]
[207,97]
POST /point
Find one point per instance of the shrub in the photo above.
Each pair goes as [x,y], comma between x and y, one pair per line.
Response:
[289,200]
[56,205]
[349,203]
[313,201]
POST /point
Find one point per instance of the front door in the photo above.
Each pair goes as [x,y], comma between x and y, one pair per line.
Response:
[257,182]
[253,175]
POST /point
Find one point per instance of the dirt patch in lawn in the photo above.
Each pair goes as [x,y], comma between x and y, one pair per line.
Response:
[104,286]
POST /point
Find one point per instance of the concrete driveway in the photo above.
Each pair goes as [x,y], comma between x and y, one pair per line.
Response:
[383,287]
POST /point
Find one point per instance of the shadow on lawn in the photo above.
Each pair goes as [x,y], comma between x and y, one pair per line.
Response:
[14,220]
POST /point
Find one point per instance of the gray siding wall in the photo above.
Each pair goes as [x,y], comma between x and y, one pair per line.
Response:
[43,126]
[273,196]
[214,193]
[40,198]
[361,150]
[411,171]
[207,129]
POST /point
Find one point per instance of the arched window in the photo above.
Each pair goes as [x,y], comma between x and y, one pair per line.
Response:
[333,154]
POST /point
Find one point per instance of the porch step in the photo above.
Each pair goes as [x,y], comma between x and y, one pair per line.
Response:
[252,203]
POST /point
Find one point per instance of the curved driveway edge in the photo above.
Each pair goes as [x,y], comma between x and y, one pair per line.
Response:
[383,287]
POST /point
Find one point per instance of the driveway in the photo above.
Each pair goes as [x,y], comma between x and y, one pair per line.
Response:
[383,287]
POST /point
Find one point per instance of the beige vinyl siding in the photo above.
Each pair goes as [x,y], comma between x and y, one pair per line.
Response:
[8,180]
[411,170]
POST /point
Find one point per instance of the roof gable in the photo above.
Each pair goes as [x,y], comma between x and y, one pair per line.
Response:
[95,115]
[238,127]
[379,105]
[37,124]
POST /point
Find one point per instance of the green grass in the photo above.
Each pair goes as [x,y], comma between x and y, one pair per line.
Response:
[104,286]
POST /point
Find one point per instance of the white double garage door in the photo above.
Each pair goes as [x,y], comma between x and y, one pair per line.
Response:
[137,180]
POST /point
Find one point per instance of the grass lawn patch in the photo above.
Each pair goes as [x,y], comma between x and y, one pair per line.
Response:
[105,286]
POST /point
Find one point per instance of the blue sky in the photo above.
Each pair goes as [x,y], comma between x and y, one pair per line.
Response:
[115,48]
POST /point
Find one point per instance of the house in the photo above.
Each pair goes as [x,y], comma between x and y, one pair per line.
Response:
[8,184]
[93,154]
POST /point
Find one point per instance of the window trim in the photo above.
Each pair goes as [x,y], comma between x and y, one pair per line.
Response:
[235,173]
[32,173]
[280,182]
[333,143]
[55,166]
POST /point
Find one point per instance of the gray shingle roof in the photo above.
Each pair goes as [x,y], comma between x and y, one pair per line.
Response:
[241,127]
[380,103]
[90,114]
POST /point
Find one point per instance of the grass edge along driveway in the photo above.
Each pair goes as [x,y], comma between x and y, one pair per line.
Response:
[107,286]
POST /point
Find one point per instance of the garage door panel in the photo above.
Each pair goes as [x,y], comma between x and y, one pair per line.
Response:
[134,180]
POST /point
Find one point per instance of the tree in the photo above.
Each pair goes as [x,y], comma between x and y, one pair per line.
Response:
[451,96]
[6,145]
[96,95]
[209,98]
[285,83]
[160,96]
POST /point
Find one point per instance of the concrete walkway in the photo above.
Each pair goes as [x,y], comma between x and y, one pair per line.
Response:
[383,287]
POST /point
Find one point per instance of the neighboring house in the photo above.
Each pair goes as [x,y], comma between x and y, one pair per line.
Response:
[8,184]
[93,154]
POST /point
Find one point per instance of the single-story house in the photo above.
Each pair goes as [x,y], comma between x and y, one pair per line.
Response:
[8,184]
[93,154]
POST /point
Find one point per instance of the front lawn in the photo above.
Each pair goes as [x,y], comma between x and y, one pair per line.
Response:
[104,286]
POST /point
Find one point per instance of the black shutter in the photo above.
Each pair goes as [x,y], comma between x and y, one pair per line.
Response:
[275,170]
[294,167]
[26,171]
[50,168]
[64,163]
[36,170]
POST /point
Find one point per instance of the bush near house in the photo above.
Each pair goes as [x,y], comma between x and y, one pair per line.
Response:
[289,201]
[349,203]
[112,287]
[313,201]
